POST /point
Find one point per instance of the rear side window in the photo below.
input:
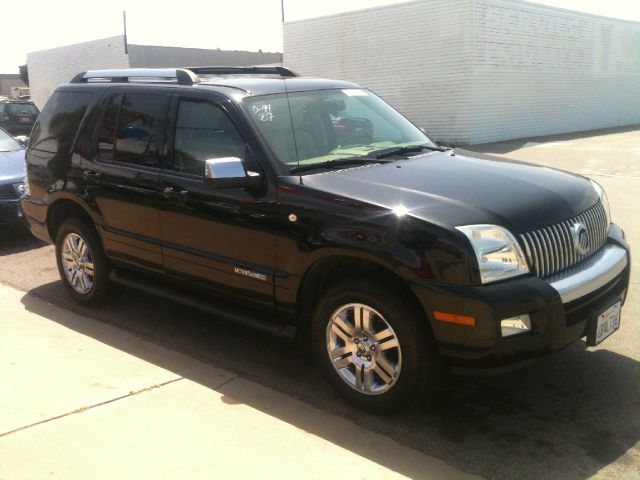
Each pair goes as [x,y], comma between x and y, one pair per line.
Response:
[57,125]
[131,128]
[107,131]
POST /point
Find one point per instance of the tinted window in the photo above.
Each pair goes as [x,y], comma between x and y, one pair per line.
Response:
[106,133]
[21,109]
[139,130]
[57,125]
[203,131]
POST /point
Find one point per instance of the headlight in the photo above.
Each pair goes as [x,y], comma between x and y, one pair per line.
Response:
[499,255]
[603,198]
[19,188]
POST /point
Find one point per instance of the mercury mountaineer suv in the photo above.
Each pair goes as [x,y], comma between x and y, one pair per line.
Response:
[301,204]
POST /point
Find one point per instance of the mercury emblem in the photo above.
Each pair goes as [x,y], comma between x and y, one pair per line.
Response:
[580,237]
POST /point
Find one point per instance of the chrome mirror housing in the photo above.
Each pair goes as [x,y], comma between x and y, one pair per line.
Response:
[227,167]
[229,172]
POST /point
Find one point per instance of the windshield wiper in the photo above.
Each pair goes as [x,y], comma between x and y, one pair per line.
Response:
[409,149]
[336,163]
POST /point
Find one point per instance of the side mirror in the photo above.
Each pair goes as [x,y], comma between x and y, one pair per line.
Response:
[229,172]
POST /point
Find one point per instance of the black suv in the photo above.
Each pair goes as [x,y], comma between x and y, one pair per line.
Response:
[18,117]
[291,203]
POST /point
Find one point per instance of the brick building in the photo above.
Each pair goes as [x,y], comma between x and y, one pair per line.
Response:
[50,68]
[8,81]
[472,71]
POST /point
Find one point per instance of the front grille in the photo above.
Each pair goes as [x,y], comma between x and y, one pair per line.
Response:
[552,248]
[7,192]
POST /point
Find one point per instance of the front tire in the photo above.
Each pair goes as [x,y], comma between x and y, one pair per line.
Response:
[371,348]
[82,263]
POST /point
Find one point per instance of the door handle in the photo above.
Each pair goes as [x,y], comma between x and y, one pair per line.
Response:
[171,193]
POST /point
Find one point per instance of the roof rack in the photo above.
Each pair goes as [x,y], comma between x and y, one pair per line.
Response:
[178,75]
[182,76]
[280,71]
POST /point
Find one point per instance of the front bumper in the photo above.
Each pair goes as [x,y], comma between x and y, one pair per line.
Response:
[10,212]
[35,216]
[562,309]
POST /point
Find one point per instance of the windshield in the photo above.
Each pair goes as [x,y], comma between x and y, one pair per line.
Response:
[21,109]
[324,125]
[7,143]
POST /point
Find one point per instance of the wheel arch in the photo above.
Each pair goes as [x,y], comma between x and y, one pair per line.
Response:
[324,273]
[64,208]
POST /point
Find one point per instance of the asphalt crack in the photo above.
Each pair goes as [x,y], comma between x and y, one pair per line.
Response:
[91,407]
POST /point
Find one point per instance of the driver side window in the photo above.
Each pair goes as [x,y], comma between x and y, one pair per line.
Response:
[203,131]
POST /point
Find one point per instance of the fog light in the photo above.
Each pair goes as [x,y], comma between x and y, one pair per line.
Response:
[515,325]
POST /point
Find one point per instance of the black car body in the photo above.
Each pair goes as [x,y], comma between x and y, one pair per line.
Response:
[17,117]
[11,179]
[497,261]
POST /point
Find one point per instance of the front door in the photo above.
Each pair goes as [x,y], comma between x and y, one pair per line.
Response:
[122,177]
[216,238]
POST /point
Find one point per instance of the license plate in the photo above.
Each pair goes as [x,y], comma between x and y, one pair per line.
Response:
[608,322]
[24,119]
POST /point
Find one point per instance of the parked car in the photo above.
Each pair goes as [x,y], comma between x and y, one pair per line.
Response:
[289,203]
[17,117]
[11,178]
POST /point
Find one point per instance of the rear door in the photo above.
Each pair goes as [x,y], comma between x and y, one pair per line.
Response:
[218,238]
[123,174]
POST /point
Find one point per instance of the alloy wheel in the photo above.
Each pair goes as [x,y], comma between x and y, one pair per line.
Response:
[363,349]
[77,263]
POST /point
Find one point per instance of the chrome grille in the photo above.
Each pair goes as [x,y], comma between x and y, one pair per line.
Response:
[552,248]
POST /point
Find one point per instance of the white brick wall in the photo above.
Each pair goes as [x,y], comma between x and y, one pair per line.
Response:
[473,71]
[540,70]
[417,56]
[50,68]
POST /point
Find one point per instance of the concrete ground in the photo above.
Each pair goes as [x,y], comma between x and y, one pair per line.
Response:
[76,407]
[150,398]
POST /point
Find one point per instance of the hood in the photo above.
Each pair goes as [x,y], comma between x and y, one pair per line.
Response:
[453,190]
[11,166]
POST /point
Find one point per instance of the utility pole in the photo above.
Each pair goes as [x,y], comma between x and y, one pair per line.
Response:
[124,20]
[282,9]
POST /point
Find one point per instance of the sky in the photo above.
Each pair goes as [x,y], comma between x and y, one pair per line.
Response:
[224,24]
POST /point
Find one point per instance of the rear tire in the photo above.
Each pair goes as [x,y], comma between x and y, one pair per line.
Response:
[82,263]
[371,347]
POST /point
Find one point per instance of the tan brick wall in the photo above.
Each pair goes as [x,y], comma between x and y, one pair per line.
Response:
[7,83]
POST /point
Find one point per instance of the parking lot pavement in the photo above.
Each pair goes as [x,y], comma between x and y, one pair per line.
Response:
[572,415]
[99,404]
